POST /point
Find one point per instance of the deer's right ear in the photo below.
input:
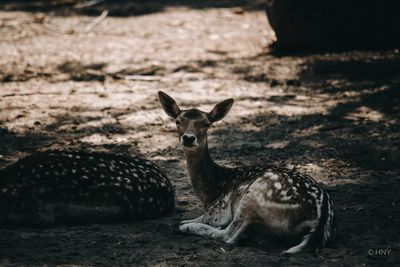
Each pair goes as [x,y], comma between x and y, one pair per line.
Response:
[169,105]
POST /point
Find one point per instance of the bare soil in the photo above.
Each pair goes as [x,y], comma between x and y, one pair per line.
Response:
[67,82]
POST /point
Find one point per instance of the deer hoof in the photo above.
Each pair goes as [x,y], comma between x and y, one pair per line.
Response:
[185,228]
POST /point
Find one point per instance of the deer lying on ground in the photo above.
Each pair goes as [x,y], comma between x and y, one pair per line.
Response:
[285,202]
[70,187]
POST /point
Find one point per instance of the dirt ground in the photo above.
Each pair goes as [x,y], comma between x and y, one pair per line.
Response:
[67,81]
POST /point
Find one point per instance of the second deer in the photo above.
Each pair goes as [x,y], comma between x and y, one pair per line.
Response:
[77,186]
[285,202]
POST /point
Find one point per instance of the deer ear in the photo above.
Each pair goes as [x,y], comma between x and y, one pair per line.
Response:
[220,110]
[169,105]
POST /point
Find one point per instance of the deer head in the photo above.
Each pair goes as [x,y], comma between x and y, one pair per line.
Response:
[192,124]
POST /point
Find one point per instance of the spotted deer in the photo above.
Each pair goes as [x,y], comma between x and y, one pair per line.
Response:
[70,187]
[284,202]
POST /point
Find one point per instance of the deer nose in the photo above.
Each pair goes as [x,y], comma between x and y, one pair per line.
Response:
[188,139]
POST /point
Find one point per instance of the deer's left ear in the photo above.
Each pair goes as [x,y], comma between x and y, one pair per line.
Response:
[220,110]
[169,105]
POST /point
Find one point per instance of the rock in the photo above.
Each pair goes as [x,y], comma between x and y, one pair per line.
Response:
[339,24]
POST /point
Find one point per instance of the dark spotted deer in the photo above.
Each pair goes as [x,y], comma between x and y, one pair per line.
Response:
[285,202]
[70,187]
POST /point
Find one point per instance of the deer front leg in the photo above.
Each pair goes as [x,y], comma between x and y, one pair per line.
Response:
[198,229]
[218,215]
[230,234]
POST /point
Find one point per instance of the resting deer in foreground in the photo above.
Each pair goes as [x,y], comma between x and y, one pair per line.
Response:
[284,202]
[69,187]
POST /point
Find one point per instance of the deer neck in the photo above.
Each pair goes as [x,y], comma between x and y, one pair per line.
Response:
[207,177]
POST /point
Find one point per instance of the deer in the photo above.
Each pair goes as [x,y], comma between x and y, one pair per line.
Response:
[75,186]
[284,202]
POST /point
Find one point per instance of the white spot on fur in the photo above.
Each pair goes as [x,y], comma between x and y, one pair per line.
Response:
[269,193]
[278,185]
[271,175]
[286,198]
[129,187]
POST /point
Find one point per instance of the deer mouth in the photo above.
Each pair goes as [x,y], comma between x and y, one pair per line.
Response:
[190,146]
